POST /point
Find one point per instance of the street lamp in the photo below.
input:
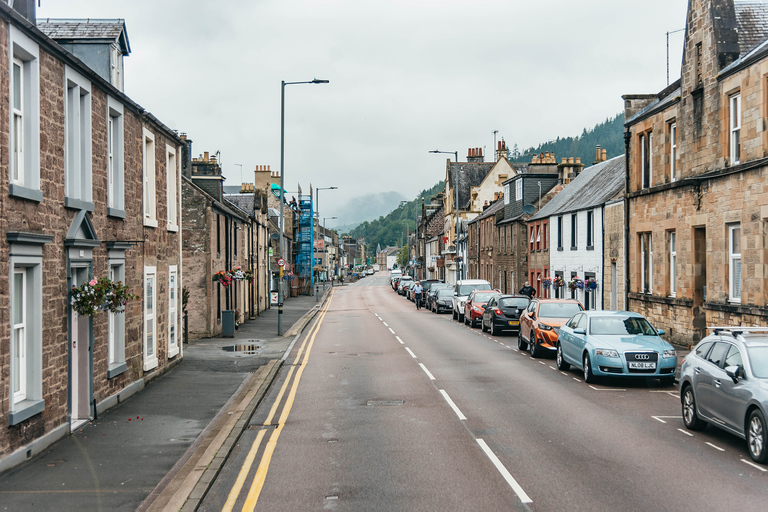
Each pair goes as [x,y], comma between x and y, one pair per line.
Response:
[456,186]
[282,194]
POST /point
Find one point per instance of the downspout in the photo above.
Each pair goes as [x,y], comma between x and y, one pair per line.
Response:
[602,260]
[627,138]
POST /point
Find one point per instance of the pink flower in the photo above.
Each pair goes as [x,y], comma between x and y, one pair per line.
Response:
[92,282]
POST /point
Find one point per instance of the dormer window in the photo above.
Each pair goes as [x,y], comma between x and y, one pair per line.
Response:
[115,67]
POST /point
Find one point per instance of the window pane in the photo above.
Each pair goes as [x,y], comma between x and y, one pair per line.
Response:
[16,86]
[18,298]
[737,278]
[736,240]
[150,295]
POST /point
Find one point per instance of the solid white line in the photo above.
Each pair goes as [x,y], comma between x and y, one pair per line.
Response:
[385,324]
[716,447]
[390,330]
[686,433]
[453,405]
[398,339]
[409,351]
[431,377]
[506,474]
[753,465]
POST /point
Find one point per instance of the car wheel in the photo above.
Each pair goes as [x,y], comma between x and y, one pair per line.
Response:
[561,364]
[466,322]
[756,437]
[482,325]
[461,317]
[494,330]
[533,348]
[455,316]
[521,344]
[589,377]
[690,418]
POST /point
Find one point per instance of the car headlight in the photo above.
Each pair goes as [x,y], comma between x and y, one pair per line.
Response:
[606,352]
[545,327]
[669,353]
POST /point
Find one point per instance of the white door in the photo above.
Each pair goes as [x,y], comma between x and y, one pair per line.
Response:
[80,368]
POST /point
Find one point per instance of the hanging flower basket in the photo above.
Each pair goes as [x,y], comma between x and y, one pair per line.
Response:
[101,294]
[557,282]
[575,284]
[546,283]
[223,278]
[590,284]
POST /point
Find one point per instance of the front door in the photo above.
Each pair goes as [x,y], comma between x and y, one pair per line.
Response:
[80,368]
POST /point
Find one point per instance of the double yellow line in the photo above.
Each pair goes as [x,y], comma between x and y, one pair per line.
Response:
[269,449]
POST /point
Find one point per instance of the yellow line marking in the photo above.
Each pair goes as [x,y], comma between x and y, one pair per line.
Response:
[248,463]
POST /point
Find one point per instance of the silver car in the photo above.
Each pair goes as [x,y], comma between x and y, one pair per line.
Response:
[724,381]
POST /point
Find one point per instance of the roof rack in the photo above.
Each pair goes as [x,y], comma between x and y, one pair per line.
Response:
[736,331]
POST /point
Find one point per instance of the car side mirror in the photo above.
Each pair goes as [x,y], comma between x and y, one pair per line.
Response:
[733,372]
[579,331]
[533,315]
[661,332]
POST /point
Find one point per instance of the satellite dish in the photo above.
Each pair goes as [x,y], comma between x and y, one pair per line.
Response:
[529,209]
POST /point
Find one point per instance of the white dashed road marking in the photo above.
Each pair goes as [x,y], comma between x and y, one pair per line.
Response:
[431,377]
[686,433]
[453,405]
[506,474]
[409,351]
[398,339]
[716,447]
[390,330]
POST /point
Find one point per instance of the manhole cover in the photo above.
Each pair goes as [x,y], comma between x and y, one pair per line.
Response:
[243,348]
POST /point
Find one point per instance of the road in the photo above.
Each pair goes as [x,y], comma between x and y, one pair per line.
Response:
[382,407]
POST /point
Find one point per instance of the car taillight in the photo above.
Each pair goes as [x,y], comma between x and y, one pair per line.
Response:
[497,311]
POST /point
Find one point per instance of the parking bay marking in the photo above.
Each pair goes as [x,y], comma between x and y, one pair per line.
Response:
[753,465]
[715,447]
[686,433]
[658,418]
[605,389]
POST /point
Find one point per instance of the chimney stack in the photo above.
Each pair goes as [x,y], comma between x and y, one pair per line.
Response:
[475,155]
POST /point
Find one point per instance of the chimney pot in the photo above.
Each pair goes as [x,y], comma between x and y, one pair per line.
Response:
[570,160]
[605,155]
[565,160]
[578,159]
[206,156]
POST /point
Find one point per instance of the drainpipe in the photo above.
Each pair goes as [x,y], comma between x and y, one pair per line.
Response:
[627,138]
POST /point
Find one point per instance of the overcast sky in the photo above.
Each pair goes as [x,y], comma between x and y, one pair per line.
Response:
[406,77]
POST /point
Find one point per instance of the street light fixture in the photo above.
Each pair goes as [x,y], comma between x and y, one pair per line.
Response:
[456,186]
[282,194]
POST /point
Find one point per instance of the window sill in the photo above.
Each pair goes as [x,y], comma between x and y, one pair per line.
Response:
[559,248]
[590,247]
[574,248]
[173,352]
[25,193]
[173,227]
[25,410]
[150,223]
[150,364]
[116,369]
[115,212]
[77,204]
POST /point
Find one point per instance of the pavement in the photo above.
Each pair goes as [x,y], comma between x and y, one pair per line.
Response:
[161,448]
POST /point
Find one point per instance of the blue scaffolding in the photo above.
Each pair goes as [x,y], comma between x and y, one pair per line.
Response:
[305,239]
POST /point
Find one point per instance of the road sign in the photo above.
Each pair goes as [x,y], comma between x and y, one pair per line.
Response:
[281,262]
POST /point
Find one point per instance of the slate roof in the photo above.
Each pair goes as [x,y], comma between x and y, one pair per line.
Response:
[243,201]
[72,30]
[593,187]
[471,174]
[490,211]
[752,20]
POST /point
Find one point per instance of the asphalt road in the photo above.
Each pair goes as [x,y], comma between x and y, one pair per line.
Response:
[382,407]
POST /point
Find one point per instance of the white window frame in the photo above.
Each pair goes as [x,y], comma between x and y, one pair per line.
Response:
[646,287]
[115,67]
[115,158]
[574,231]
[650,159]
[590,228]
[173,317]
[673,151]
[172,192]
[734,116]
[24,143]
[507,194]
[672,264]
[78,159]
[150,318]
[116,326]
[734,264]
[19,337]
[518,190]
[148,175]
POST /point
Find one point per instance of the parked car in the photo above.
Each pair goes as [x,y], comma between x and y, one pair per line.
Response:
[502,313]
[432,294]
[475,304]
[405,282]
[724,382]
[401,281]
[443,300]
[616,344]
[461,291]
[541,321]
[427,284]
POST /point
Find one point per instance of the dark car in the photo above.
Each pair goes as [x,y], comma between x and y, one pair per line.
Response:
[426,284]
[443,300]
[502,313]
[429,296]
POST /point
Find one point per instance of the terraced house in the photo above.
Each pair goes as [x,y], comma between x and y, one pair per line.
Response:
[89,188]
[697,178]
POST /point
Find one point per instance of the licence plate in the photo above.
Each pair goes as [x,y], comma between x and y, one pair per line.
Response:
[514,322]
[642,366]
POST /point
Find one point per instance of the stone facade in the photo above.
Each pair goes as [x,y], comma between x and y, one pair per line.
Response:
[59,232]
[698,194]
[613,256]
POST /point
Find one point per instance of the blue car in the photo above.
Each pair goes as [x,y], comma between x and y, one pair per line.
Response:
[615,344]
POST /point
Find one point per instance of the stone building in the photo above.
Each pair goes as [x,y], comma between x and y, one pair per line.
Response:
[565,238]
[483,243]
[697,193]
[429,230]
[91,189]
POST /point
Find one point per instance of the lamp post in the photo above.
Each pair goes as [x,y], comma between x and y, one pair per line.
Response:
[282,195]
[456,201]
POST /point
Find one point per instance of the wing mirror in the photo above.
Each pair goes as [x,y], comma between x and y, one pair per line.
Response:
[580,330]
[734,372]
[661,332]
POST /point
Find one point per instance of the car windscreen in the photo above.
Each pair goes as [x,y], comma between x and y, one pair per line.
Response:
[444,292]
[483,297]
[466,289]
[620,326]
[406,278]
[758,359]
[514,302]
[437,287]
[559,309]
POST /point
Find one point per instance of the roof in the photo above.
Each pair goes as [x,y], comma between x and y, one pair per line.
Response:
[78,30]
[245,202]
[594,186]
[490,211]
[752,20]
[471,174]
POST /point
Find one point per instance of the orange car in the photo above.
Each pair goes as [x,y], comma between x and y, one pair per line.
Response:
[473,308]
[541,321]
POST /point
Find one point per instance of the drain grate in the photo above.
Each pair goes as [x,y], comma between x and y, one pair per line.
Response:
[385,402]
